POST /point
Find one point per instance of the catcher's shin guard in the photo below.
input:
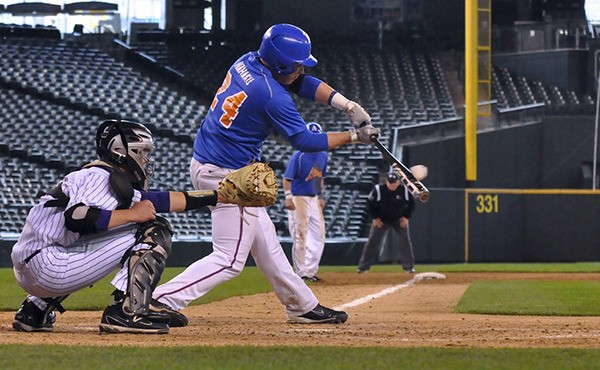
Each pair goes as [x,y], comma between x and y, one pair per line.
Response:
[146,265]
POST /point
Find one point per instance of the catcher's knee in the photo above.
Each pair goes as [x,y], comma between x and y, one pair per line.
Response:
[156,234]
[145,266]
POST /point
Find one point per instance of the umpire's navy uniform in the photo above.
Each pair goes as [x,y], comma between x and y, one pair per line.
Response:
[389,206]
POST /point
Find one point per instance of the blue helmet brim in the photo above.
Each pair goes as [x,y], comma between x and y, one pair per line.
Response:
[311,61]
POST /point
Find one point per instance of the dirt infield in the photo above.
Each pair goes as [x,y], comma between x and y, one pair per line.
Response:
[418,315]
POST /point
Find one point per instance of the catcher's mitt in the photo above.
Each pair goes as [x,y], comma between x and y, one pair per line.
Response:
[252,186]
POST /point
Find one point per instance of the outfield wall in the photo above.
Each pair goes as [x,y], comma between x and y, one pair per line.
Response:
[508,225]
[469,225]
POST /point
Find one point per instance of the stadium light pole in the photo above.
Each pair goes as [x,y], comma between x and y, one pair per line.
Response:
[595,158]
[471,91]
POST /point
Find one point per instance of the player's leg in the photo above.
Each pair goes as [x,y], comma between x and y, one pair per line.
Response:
[233,230]
[407,257]
[315,239]
[301,304]
[143,266]
[292,229]
[371,248]
[299,247]
[79,266]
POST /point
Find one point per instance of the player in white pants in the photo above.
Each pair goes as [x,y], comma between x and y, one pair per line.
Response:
[303,183]
[246,230]
[253,102]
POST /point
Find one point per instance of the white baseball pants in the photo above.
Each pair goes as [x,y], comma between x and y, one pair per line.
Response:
[236,232]
[307,229]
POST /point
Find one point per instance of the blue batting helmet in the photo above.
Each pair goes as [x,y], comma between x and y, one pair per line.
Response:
[283,45]
[314,127]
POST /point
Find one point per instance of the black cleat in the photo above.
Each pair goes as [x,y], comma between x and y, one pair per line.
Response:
[176,318]
[319,315]
[30,318]
[115,320]
[312,279]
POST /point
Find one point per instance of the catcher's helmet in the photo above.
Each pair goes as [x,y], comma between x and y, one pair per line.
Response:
[283,45]
[314,127]
[127,144]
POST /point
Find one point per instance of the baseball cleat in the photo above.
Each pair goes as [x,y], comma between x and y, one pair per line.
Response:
[319,315]
[114,320]
[312,279]
[30,318]
[176,318]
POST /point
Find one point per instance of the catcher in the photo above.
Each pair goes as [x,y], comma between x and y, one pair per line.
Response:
[102,217]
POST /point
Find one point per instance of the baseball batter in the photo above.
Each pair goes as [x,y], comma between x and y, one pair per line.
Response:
[303,183]
[95,220]
[253,101]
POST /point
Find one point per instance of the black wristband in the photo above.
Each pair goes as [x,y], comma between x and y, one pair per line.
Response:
[200,198]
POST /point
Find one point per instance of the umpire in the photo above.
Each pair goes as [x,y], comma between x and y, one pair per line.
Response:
[391,206]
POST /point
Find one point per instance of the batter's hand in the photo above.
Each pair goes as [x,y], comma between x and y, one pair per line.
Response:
[357,114]
[143,211]
[367,133]
[289,203]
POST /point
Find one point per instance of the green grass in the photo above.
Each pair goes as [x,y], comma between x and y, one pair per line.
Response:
[481,267]
[65,357]
[547,298]
[252,281]
[491,297]
[513,267]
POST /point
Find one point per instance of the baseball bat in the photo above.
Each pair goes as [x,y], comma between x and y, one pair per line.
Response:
[416,187]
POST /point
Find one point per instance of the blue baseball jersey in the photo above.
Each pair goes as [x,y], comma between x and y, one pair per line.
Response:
[246,109]
[306,170]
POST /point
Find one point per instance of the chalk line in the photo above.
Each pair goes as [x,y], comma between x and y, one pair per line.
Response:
[406,284]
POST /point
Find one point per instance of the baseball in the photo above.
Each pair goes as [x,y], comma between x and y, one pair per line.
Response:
[419,171]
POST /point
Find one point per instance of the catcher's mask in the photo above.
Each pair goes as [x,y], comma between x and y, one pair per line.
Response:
[285,45]
[127,144]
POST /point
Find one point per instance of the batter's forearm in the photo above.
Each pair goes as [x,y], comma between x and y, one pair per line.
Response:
[337,139]
[324,93]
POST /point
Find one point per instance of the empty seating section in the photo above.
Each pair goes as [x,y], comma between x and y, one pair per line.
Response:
[54,94]
[204,66]
[37,132]
[513,91]
[94,81]
[21,181]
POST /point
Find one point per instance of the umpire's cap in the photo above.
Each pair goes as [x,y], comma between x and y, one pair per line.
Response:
[392,177]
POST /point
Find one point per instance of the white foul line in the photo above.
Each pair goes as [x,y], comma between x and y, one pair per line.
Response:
[406,284]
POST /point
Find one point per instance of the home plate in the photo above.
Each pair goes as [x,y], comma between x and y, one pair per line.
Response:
[429,276]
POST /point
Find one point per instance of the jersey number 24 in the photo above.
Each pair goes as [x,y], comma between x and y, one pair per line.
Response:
[231,105]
